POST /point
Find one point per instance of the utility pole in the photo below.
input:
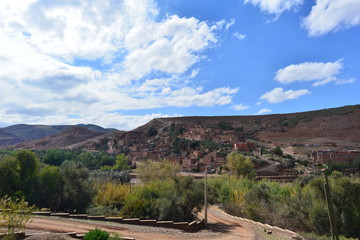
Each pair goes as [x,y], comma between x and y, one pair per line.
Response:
[332,220]
[205,196]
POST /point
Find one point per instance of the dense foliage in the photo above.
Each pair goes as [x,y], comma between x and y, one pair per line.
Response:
[61,181]
[299,206]
[178,199]
[57,179]
[157,170]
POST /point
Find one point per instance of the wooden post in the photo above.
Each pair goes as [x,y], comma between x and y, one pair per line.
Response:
[205,196]
[332,220]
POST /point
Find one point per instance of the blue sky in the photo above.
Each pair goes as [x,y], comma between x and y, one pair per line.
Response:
[122,63]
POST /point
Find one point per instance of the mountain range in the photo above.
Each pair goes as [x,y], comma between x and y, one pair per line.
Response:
[21,133]
[336,127]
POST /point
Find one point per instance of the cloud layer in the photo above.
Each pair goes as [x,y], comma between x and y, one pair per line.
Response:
[61,59]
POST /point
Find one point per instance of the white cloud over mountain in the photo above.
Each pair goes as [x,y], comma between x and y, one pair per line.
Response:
[263,111]
[332,15]
[240,107]
[278,95]
[51,52]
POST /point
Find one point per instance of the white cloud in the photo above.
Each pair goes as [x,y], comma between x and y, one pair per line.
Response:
[230,23]
[278,95]
[187,96]
[343,81]
[239,35]
[240,107]
[167,46]
[276,7]
[332,15]
[263,111]
[318,72]
[93,59]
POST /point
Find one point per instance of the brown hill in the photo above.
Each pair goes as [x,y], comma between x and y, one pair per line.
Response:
[337,128]
[22,132]
[62,139]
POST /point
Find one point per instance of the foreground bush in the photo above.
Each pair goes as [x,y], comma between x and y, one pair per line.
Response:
[299,206]
[97,234]
[11,219]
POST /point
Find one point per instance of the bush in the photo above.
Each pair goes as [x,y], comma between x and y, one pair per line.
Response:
[104,176]
[277,151]
[111,194]
[97,234]
[102,211]
[11,220]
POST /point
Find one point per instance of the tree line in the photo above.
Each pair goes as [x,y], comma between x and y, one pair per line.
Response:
[164,195]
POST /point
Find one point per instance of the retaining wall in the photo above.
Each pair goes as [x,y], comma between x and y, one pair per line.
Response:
[268,227]
[188,226]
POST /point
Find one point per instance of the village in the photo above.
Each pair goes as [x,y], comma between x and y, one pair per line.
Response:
[196,147]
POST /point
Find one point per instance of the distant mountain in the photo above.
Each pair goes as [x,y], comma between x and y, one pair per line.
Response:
[8,138]
[23,132]
[61,139]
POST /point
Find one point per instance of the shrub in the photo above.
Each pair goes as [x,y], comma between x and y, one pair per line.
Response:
[11,220]
[277,151]
[240,165]
[111,194]
[97,234]
[102,211]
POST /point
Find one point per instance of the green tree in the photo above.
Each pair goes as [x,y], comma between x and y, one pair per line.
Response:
[50,187]
[121,163]
[9,176]
[107,160]
[56,156]
[77,190]
[277,151]
[88,160]
[28,167]
[152,170]
[240,165]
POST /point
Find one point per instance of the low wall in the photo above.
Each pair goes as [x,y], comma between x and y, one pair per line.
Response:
[268,227]
[188,226]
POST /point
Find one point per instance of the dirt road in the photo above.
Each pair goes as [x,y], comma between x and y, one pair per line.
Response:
[220,227]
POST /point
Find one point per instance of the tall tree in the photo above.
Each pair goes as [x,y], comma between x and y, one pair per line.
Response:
[152,170]
[77,189]
[240,165]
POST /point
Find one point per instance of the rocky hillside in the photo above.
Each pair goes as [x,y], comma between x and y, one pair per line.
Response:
[194,141]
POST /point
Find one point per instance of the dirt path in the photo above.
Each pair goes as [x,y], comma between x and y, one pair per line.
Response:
[220,226]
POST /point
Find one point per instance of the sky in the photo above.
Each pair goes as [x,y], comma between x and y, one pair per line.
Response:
[121,63]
